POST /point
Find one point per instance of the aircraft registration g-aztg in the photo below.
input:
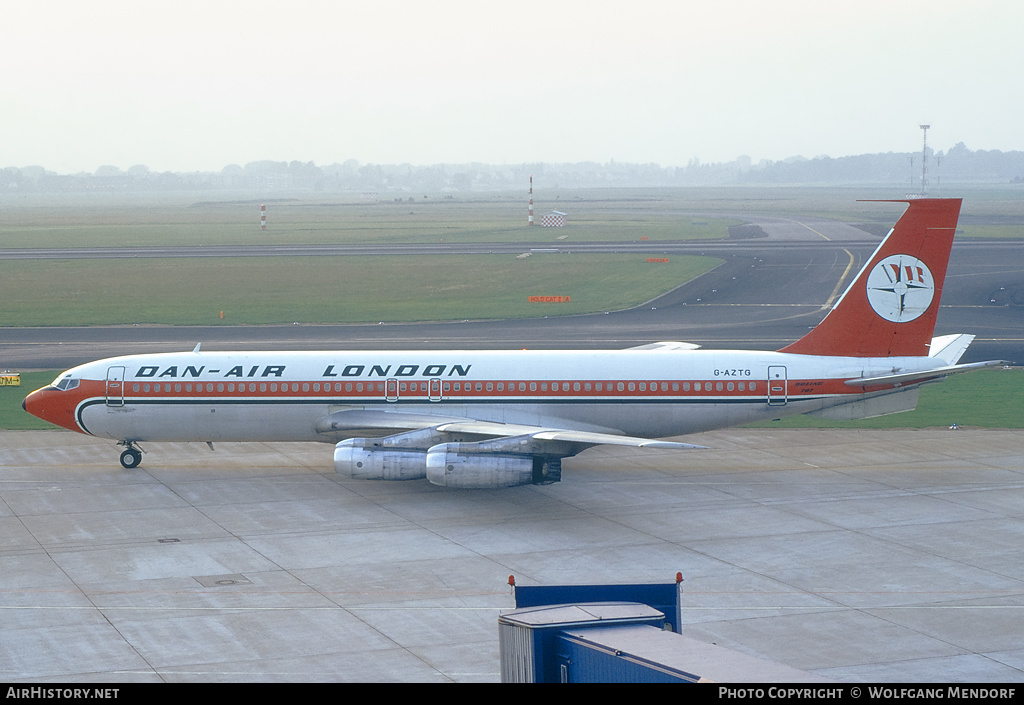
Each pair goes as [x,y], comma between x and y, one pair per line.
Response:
[476,419]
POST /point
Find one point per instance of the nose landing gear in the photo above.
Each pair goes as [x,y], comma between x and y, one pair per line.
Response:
[132,455]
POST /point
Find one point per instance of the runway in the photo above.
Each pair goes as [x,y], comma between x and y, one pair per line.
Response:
[856,555]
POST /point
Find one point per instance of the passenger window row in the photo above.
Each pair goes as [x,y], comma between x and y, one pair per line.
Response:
[406,387]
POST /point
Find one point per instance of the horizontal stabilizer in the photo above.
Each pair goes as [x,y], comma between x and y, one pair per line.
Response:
[950,348]
[909,377]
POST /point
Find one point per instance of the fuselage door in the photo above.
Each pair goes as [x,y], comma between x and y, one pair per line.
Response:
[777,385]
[115,386]
[391,390]
[435,389]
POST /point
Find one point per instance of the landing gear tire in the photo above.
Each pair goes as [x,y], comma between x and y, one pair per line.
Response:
[131,458]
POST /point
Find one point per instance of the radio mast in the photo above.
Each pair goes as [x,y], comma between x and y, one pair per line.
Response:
[924,161]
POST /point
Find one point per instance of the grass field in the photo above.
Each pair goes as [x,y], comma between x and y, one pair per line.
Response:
[107,222]
[986,399]
[328,289]
[331,290]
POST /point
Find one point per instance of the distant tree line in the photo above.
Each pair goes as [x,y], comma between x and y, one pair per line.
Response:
[958,165]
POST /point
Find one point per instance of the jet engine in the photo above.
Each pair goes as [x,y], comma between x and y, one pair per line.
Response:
[362,459]
[447,467]
[494,463]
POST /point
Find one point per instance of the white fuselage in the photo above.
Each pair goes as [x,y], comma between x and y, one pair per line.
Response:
[280,396]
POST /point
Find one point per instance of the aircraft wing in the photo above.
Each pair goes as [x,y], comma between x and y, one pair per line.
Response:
[361,420]
[542,433]
[665,346]
[358,419]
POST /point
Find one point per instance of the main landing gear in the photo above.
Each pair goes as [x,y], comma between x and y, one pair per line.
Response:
[132,455]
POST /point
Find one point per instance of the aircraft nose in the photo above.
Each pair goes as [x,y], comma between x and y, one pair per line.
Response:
[35,404]
[31,399]
[54,406]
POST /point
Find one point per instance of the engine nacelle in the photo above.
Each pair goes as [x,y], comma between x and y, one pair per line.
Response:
[446,467]
[353,459]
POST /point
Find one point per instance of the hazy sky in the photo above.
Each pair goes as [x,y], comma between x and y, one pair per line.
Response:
[186,85]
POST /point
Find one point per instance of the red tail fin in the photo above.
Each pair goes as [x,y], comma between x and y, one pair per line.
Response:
[890,308]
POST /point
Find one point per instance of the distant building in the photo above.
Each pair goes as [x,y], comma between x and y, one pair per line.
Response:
[554,219]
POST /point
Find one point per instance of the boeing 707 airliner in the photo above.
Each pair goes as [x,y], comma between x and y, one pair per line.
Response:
[486,419]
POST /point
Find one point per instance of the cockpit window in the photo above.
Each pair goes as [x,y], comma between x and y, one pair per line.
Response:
[67,383]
